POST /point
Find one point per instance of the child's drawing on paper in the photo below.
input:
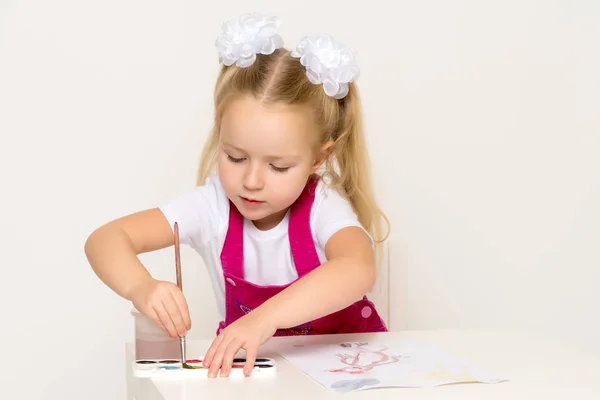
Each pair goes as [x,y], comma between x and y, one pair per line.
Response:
[351,385]
[352,366]
[361,358]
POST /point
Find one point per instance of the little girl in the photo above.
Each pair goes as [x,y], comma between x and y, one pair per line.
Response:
[287,224]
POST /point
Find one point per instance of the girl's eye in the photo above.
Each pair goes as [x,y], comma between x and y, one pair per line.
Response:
[278,169]
[235,160]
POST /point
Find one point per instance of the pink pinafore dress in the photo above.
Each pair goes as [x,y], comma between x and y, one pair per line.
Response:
[242,296]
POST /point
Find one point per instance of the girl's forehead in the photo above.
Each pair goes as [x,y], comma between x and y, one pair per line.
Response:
[277,128]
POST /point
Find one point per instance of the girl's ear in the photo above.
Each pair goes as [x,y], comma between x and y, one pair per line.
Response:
[323,155]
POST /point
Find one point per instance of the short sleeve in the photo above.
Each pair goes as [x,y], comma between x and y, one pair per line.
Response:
[198,212]
[331,212]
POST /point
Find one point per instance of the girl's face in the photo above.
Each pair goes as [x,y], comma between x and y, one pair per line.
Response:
[266,154]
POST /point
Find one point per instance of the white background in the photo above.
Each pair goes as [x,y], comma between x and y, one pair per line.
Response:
[483,122]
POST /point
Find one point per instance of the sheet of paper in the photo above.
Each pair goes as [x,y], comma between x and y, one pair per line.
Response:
[353,366]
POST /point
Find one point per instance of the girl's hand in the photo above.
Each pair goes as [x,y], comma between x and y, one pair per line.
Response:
[165,304]
[249,333]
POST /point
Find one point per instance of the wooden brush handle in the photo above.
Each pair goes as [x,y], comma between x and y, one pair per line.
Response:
[177,256]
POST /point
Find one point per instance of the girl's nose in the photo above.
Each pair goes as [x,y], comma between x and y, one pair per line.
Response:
[253,180]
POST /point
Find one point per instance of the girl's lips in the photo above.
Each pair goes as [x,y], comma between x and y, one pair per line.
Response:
[251,202]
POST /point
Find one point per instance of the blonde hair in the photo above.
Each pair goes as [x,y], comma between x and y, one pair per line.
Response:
[280,78]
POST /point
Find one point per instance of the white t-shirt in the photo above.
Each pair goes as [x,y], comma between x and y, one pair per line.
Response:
[202,215]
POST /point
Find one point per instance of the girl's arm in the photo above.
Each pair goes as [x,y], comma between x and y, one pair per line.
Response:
[112,251]
[348,274]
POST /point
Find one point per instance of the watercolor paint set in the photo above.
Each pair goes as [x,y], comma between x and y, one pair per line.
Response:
[173,368]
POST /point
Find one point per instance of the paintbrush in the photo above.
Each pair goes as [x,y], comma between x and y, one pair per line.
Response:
[182,343]
[179,284]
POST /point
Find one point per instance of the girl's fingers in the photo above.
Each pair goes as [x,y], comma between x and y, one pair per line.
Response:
[164,317]
[152,314]
[169,304]
[182,306]
[251,353]
[208,357]
[228,355]
[217,359]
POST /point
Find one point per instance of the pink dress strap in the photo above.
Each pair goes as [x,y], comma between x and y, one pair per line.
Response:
[232,255]
[302,244]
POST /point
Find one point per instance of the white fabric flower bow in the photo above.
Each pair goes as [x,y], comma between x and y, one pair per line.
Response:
[245,37]
[328,62]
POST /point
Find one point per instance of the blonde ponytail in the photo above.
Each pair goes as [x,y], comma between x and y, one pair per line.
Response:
[349,167]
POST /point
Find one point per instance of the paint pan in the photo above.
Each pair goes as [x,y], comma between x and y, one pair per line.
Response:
[193,369]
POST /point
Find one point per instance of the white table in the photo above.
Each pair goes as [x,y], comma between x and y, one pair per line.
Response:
[537,368]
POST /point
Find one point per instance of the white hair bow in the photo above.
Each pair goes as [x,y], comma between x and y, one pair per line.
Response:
[245,37]
[329,62]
